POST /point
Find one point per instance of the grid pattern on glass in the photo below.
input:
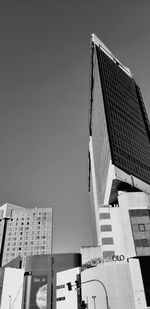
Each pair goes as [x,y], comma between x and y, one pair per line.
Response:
[126,121]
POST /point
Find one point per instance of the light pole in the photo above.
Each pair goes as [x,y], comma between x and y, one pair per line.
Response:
[84,282]
[94,296]
[106,295]
[9,301]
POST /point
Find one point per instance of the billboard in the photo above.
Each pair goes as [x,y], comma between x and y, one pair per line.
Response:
[38,295]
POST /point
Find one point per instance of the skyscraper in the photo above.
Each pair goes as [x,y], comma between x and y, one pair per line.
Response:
[119,166]
[24,232]
[119,148]
[119,162]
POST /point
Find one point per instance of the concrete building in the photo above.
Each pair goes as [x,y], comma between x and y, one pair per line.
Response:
[115,285]
[37,285]
[24,232]
[106,283]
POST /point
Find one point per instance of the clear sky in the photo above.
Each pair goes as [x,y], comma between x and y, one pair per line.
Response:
[44,100]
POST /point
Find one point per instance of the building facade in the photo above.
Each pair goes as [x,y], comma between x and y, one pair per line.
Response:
[38,285]
[24,232]
[115,285]
[119,164]
[42,289]
[119,147]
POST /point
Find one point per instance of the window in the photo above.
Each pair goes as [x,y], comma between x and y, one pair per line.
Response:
[107,241]
[141,242]
[144,243]
[141,227]
[105,215]
[108,254]
[106,228]
[138,212]
[135,228]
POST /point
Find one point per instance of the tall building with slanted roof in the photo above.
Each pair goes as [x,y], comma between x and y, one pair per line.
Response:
[119,148]
[119,162]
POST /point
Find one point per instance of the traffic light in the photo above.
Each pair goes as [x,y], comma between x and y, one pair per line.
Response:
[78,284]
[84,305]
[69,285]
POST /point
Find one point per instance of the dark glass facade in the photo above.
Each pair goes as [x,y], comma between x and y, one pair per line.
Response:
[127,123]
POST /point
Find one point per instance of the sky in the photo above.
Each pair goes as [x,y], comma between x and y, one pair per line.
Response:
[44,100]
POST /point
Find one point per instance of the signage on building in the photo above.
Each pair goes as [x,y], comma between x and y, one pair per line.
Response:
[100,260]
[38,295]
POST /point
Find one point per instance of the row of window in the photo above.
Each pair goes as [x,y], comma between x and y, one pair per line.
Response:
[142,242]
[25,241]
[21,248]
[139,213]
[27,218]
[8,257]
[27,223]
[141,227]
